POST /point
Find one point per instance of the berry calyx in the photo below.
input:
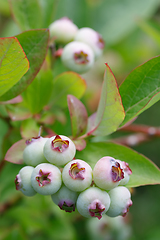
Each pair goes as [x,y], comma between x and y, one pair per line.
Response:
[78,57]
[93,202]
[127,172]
[107,173]
[23,181]
[59,150]
[77,175]
[46,179]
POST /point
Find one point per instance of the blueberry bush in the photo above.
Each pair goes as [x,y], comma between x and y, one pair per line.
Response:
[79,119]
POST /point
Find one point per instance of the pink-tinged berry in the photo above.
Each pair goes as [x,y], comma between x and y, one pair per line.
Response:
[120,201]
[92,38]
[93,202]
[23,181]
[46,179]
[77,175]
[107,173]
[65,199]
[78,57]
[33,153]
[127,172]
[63,30]
[59,150]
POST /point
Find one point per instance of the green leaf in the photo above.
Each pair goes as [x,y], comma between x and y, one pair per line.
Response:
[29,128]
[13,63]
[65,84]
[144,172]
[110,112]
[38,93]
[78,115]
[48,9]
[141,88]
[27,13]
[35,45]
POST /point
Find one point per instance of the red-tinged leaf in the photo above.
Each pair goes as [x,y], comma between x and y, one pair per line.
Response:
[91,121]
[15,152]
[65,84]
[17,99]
[29,128]
[13,63]
[35,46]
[110,112]
[78,115]
[80,144]
[18,112]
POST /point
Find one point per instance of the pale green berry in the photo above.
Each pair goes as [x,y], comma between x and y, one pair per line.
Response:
[92,38]
[65,199]
[46,179]
[120,201]
[59,150]
[77,57]
[107,173]
[77,175]
[93,202]
[23,181]
[63,30]
[33,153]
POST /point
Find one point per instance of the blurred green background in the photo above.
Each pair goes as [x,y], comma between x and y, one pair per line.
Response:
[131,30]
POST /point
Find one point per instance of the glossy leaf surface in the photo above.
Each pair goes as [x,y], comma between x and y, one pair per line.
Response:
[35,45]
[140,90]
[13,63]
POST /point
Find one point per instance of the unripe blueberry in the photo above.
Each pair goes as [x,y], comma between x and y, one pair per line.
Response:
[127,172]
[65,199]
[77,175]
[78,57]
[93,202]
[107,173]
[23,181]
[63,30]
[120,201]
[33,153]
[92,38]
[46,179]
[59,150]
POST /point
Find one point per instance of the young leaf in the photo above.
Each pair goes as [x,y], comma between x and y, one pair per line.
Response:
[144,172]
[13,63]
[15,152]
[17,112]
[35,45]
[110,112]
[141,89]
[43,84]
[78,115]
[29,128]
[27,14]
[65,84]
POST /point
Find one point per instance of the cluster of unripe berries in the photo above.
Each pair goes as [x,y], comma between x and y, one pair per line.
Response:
[53,170]
[82,46]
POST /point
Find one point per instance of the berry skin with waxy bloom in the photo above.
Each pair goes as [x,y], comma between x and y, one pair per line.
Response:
[65,199]
[63,30]
[127,172]
[46,179]
[77,175]
[23,181]
[120,201]
[107,173]
[78,57]
[93,202]
[59,150]
[33,153]
[92,38]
